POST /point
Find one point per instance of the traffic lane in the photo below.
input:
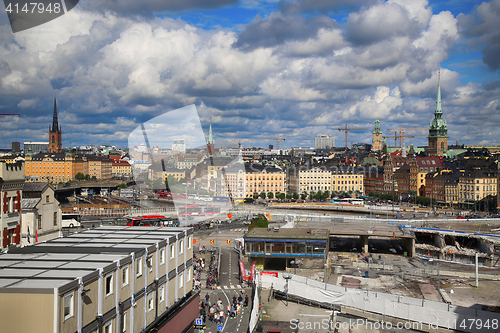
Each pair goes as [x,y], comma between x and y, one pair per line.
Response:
[231,324]
[229,271]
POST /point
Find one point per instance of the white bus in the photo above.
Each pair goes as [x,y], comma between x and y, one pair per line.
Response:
[69,220]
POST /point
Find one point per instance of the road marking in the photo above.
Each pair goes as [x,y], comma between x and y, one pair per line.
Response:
[238,286]
[218,287]
[232,287]
[225,287]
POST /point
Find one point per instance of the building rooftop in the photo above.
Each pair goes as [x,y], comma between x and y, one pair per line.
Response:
[295,233]
[60,262]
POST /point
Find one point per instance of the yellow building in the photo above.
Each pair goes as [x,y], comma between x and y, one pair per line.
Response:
[347,180]
[244,181]
[61,167]
[314,179]
[121,169]
[475,185]
[176,173]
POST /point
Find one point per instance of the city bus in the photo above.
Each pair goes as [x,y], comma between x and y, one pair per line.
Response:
[211,210]
[190,210]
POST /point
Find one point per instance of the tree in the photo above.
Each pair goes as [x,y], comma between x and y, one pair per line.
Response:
[303,195]
[263,195]
[295,195]
[79,176]
[259,222]
[93,178]
[122,185]
[270,195]
[255,195]
[280,196]
[289,196]
[326,195]
[87,177]
[311,195]
[318,195]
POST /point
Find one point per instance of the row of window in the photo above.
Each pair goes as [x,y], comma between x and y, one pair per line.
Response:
[69,298]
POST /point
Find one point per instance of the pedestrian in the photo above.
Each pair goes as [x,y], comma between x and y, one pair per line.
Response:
[246,300]
[238,309]
[207,299]
[240,300]
[232,311]
[221,317]
[228,310]
[216,317]
[234,299]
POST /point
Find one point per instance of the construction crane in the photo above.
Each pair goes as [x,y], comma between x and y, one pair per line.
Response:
[346,129]
[278,139]
[402,136]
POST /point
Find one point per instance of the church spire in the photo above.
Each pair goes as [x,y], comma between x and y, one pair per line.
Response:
[438,98]
[55,123]
[210,136]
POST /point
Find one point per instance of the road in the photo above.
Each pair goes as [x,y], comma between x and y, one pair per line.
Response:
[229,286]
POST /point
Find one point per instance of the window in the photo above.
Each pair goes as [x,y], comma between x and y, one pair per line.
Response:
[138,267]
[190,241]
[172,251]
[161,291]
[150,302]
[55,219]
[124,322]
[125,276]
[46,198]
[149,263]
[162,256]
[108,327]
[68,305]
[188,278]
[181,280]
[181,246]
[109,284]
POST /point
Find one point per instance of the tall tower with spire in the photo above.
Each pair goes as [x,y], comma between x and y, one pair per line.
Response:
[438,131]
[55,139]
[377,142]
[210,142]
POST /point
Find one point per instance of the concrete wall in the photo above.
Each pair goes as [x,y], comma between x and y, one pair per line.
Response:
[20,312]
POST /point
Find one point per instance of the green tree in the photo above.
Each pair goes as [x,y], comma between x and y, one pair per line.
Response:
[289,196]
[87,177]
[311,195]
[263,195]
[93,178]
[270,195]
[260,221]
[79,176]
[303,195]
[384,149]
[326,195]
[295,195]
[255,195]
[280,196]
[318,195]
[122,185]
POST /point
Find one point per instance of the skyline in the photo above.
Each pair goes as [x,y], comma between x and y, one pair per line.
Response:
[256,69]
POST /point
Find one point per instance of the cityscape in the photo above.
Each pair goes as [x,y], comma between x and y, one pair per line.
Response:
[248,166]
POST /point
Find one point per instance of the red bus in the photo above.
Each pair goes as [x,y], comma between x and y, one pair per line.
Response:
[191,210]
[146,220]
[211,210]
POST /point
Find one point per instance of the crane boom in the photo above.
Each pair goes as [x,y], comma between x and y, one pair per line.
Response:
[346,129]
[278,139]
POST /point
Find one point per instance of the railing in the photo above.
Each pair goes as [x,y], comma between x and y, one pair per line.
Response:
[123,212]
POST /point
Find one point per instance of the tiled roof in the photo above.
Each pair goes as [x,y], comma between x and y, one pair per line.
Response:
[29,203]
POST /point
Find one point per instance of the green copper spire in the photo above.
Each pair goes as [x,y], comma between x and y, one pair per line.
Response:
[438,98]
[377,129]
[438,128]
[210,136]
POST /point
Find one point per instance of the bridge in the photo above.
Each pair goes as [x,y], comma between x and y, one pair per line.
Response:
[165,211]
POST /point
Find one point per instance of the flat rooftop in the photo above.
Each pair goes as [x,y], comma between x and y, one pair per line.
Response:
[59,263]
[288,233]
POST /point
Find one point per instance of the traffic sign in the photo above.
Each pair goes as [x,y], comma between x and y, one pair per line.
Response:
[199,321]
[219,328]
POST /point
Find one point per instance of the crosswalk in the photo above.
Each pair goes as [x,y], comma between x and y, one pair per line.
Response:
[229,287]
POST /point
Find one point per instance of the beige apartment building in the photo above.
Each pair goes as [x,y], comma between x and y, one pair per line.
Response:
[347,180]
[475,185]
[108,279]
[11,188]
[310,178]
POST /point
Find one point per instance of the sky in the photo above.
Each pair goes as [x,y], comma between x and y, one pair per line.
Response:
[255,69]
